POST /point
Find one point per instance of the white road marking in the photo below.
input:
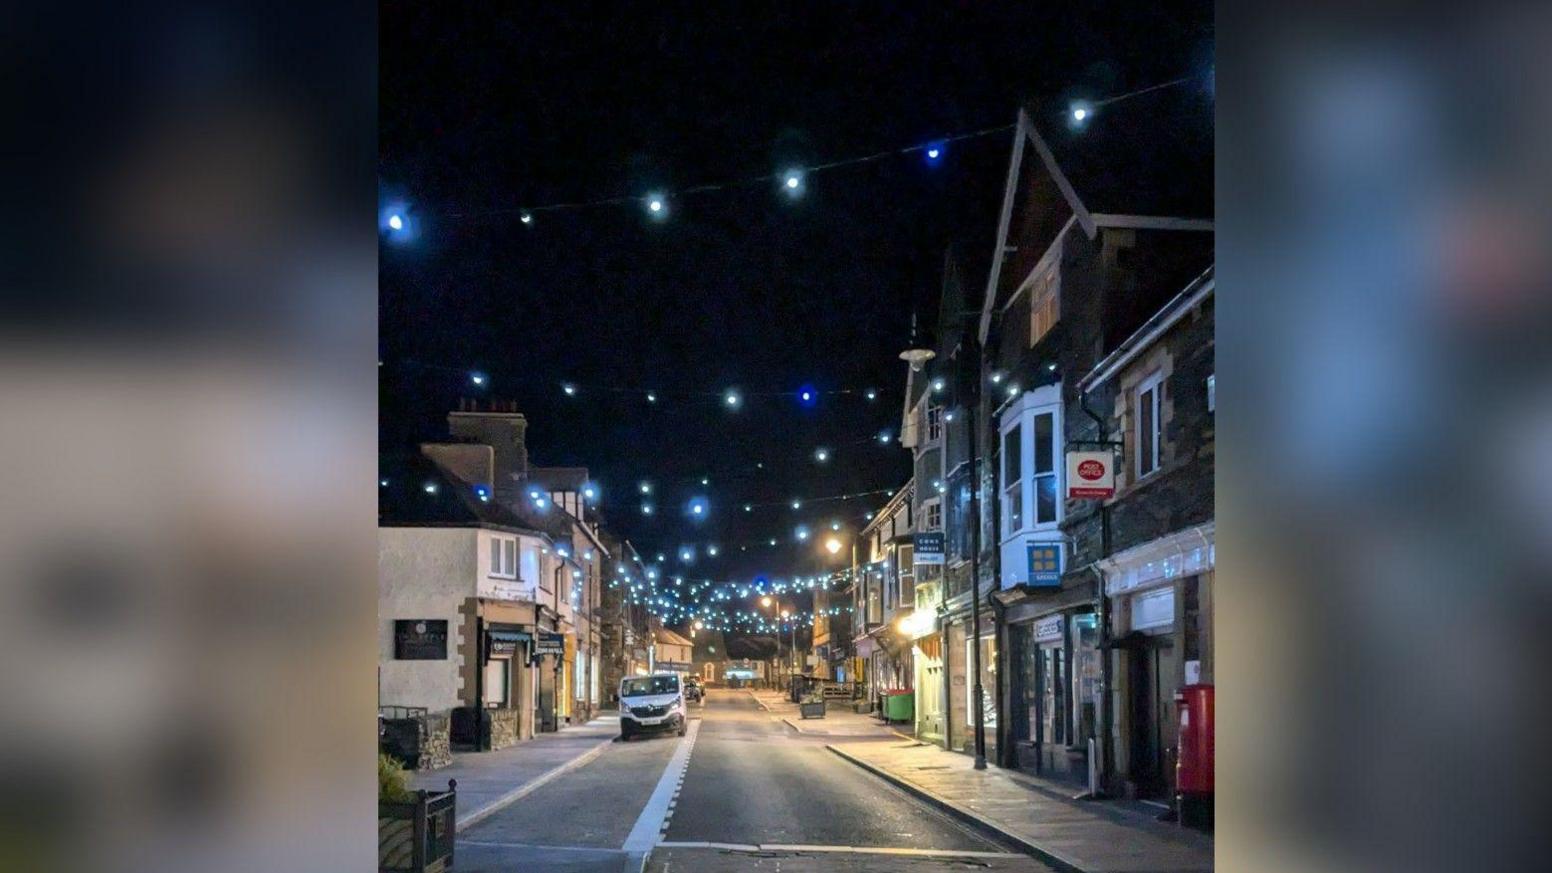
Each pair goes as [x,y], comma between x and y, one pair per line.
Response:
[653,821]
[854,850]
[531,786]
[496,844]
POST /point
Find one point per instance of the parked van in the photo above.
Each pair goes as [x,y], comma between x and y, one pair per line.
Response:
[651,703]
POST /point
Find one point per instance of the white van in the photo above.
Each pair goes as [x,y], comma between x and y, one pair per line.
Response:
[651,703]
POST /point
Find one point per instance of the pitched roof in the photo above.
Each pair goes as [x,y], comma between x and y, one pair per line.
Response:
[664,635]
[419,493]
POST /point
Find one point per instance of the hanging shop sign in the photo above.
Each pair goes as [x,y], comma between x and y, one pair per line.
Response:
[420,639]
[1045,564]
[1090,475]
[546,643]
[928,547]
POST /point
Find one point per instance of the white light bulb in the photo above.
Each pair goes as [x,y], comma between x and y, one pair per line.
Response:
[526,218]
[396,222]
[792,182]
[933,153]
[651,398]
[1080,113]
[655,206]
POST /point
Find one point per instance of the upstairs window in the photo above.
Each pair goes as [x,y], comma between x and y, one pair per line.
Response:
[1012,480]
[1044,306]
[934,423]
[1045,468]
[932,511]
[503,557]
[1150,430]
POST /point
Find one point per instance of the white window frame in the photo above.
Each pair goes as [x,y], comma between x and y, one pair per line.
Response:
[934,425]
[905,571]
[932,514]
[503,558]
[1015,489]
[1022,413]
[1155,384]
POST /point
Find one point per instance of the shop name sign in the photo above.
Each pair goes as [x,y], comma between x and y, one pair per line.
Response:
[420,639]
[1090,474]
[549,644]
[928,548]
[1045,564]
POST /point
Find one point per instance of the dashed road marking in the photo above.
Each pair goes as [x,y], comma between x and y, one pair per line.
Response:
[652,824]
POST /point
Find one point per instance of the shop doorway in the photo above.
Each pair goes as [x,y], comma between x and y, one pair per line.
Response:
[1152,677]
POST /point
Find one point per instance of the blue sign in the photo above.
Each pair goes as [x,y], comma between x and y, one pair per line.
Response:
[1045,564]
[929,548]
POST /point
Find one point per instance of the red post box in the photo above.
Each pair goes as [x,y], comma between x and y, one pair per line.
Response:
[1194,763]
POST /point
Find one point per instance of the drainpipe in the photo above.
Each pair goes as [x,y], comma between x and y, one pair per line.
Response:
[1102,612]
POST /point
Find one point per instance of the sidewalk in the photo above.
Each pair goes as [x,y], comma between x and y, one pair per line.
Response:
[839,721]
[1086,837]
[488,781]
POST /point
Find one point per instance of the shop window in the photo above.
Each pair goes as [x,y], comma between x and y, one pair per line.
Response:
[988,682]
[497,674]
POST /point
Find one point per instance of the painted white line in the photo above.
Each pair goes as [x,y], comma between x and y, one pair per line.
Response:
[531,786]
[849,850]
[887,850]
[654,816]
[496,844]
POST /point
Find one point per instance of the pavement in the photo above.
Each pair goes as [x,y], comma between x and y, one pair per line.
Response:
[840,720]
[1092,837]
[488,781]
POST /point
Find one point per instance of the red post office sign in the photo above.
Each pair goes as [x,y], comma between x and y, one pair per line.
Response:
[1090,474]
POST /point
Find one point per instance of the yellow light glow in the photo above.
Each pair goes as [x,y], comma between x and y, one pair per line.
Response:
[765,601]
[699,624]
[832,545]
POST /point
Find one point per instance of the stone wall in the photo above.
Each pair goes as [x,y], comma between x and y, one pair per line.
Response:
[504,728]
[422,743]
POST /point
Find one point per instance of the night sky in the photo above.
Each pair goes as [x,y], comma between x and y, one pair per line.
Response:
[484,113]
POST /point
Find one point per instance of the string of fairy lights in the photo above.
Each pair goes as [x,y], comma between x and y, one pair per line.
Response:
[760,604]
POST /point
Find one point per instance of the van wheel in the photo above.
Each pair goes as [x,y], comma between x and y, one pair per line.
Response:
[681,727]
[626,734]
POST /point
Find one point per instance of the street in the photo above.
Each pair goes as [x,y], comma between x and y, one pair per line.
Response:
[754,795]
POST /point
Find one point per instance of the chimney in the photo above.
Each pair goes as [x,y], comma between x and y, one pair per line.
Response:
[506,434]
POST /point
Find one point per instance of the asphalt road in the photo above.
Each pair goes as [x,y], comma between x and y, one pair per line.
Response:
[741,792]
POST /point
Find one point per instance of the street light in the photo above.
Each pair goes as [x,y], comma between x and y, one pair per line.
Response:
[832,545]
[765,601]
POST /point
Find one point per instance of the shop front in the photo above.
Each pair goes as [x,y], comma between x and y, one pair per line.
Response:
[1160,596]
[1053,689]
[927,654]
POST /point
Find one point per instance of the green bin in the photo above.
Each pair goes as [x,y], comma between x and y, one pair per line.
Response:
[900,706]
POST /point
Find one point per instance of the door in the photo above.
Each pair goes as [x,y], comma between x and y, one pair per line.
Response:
[1152,703]
[545,705]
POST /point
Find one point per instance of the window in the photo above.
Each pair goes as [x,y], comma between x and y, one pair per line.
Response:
[988,681]
[932,511]
[1044,306]
[1149,429]
[934,423]
[1212,393]
[496,673]
[503,557]
[1012,480]
[907,561]
[1045,468]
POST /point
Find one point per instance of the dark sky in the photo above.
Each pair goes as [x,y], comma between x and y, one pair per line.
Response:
[484,111]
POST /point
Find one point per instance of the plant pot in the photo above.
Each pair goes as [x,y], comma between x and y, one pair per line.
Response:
[416,836]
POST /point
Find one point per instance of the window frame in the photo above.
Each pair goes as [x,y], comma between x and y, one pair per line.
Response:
[934,424]
[1153,383]
[501,549]
[932,506]
[1014,489]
